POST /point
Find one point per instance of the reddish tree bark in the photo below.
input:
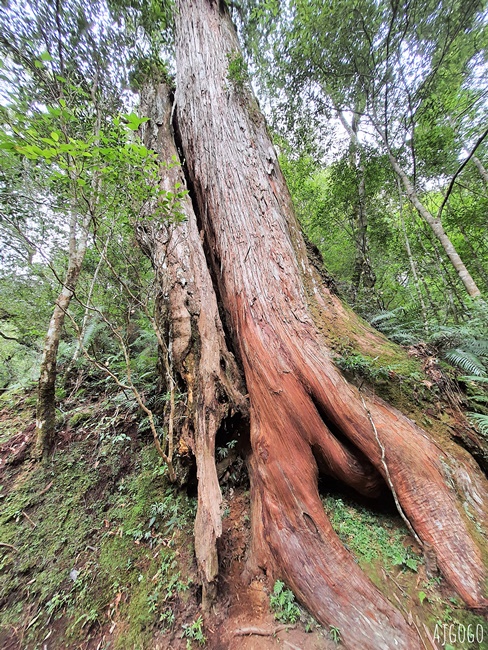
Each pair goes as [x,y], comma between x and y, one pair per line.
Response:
[304,415]
[201,363]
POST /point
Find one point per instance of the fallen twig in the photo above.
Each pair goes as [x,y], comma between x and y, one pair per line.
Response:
[261,631]
[14,548]
[48,486]
[388,576]
[34,525]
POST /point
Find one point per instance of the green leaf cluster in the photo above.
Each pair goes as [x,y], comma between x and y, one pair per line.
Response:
[282,603]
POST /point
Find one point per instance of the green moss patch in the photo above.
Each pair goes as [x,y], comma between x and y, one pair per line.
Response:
[385,551]
[97,544]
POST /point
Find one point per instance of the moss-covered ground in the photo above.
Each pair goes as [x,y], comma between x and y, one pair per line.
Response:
[96,547]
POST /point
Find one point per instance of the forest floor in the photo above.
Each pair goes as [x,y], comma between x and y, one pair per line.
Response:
[96,550]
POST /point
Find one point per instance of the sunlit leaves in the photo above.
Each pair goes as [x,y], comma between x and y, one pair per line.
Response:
[108,161]
[132,121]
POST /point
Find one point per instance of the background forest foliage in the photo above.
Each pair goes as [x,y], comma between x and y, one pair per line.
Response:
[379,114]
[410,87]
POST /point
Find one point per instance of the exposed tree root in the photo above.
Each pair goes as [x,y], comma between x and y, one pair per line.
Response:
[388,476]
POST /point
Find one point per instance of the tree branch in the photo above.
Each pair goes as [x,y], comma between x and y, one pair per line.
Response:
[453,179]
[10,338]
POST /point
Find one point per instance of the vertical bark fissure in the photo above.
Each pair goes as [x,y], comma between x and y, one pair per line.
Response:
[192,194]
[199,355]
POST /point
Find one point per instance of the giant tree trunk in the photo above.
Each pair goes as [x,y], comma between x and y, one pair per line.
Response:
[188,315]
[305,417]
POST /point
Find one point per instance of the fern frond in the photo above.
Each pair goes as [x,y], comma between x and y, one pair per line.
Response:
[479,398]
[387,316]
[477,378]
[480,421]
[65,351]
[145,338]
[145,424]
[94,328]
[466,361]
[126,401]
[157,401]
[479,347]
[402,337]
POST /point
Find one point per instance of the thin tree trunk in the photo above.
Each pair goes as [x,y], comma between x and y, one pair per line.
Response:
[188,314]
[474,254]
[303,414]
[476,161]
[78,236]
[411,261]
[46,400]
[441,278]
[363,268]
[451,285]
[438,230]
[432,304]
[480,167]
[86,316]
